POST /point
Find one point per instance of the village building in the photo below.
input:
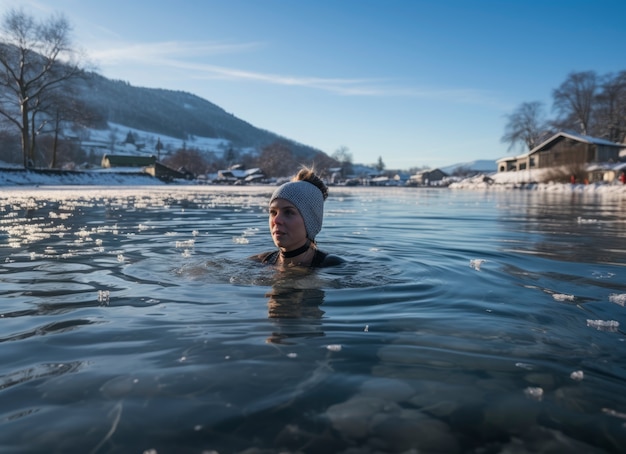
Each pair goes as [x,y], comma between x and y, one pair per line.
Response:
[110,160]
[238,175]
[144,164]
[566,148]
[432,177]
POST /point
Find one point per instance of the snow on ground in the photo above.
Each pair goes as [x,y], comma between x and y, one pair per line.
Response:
[217,146]
[520,180]
[15,177]
[132,176]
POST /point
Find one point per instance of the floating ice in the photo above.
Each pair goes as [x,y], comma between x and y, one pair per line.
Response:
[603,325]
[563,297]
[618,299]
[476,263]
[577,375]
[534,392]
[599,275]
[185,244]
[334,347]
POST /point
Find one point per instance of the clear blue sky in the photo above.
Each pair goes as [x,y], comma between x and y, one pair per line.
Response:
[414,82]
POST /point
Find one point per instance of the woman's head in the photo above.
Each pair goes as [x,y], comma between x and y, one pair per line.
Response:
[307,192]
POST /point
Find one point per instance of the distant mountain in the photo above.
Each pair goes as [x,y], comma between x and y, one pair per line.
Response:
[480,165]
[176,114]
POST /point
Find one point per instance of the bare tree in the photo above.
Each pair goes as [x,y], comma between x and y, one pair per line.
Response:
[344,157]
[526,125]
[322,163]
[276,160]
[610,111]
[66,110]
[574,101]
[36,59]
[380,165]
[189,159]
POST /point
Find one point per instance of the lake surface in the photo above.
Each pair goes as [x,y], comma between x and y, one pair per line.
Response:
[463,322]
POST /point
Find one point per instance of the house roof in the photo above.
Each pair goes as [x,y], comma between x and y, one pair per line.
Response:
[574,136]
[430,171]
[568,134]
[241,174]
[507,158]
[129,160]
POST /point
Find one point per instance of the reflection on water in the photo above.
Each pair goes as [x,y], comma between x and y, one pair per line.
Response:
[133,321]
[572,227]
[285,304]
[295,303]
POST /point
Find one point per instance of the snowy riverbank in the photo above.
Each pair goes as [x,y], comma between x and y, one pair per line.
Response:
[130,177]
[499,182]
[503,181]
[22,177]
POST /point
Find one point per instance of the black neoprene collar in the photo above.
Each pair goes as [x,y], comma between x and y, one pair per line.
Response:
[296,252]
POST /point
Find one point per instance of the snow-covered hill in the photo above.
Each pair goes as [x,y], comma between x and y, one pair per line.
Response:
[112,140]
[177,117]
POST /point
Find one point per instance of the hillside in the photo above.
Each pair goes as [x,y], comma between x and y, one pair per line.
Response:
[175,114]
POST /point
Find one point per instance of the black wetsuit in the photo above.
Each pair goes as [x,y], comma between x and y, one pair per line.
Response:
[320,259]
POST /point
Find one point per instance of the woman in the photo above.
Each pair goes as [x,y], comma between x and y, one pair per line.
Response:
[296,214]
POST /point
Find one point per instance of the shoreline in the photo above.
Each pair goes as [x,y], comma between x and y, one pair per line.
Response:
[23,178]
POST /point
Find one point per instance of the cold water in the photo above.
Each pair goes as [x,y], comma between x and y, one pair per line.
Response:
[132,321]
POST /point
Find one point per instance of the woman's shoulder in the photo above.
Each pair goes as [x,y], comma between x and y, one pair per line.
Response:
[320,259]
[265,257]
[323,259]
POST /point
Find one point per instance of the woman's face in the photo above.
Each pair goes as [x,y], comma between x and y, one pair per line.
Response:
[286,225]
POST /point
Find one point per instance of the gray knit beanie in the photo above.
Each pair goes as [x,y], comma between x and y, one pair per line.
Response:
[309,201]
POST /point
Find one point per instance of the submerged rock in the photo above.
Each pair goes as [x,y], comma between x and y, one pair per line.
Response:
[386,426]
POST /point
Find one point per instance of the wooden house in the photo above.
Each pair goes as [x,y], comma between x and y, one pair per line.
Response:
[564,148]
[238,175]
[110,160]
[427,178]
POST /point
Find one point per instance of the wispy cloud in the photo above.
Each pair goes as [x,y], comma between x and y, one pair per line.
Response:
[185,55]
[165,52]
[363,87]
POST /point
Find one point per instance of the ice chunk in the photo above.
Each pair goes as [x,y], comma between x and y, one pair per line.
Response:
[562,297]
[476,263]
[535,393]
[604,325]
[577,375]
[618,299]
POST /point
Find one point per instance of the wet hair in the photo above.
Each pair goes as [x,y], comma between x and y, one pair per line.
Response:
[308,174]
